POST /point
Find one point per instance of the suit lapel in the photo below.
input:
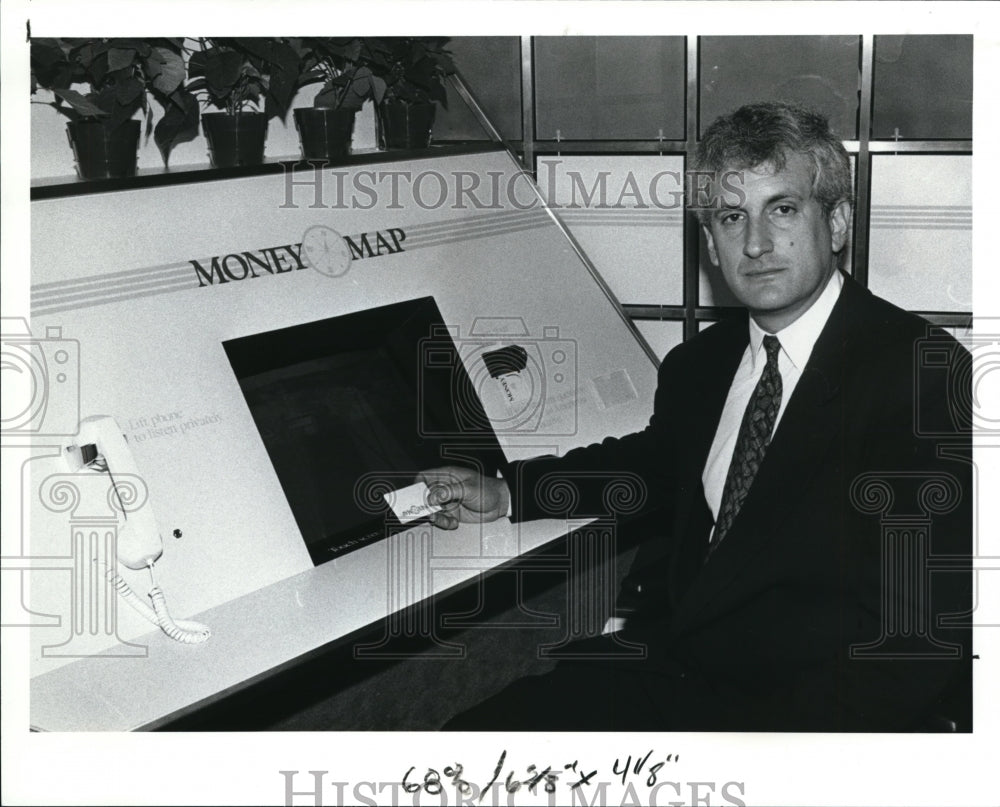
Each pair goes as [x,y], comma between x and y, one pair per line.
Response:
[796,454]
[706,398]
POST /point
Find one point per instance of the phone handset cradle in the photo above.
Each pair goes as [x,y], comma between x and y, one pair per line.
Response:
[102,448]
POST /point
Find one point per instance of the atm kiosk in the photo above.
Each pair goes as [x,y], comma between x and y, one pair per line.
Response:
[242,375]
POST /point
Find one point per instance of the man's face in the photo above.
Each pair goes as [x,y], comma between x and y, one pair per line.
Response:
[777,250]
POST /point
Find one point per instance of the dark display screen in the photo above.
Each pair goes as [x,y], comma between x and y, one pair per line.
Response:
[354,406]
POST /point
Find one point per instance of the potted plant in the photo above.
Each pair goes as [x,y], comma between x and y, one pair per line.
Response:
[119,75]
[234,75]
[342,66]
[414,70]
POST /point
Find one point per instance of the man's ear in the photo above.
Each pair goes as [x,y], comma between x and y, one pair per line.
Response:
[712,254]
[840,223]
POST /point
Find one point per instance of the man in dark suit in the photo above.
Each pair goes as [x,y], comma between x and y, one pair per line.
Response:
[799,497]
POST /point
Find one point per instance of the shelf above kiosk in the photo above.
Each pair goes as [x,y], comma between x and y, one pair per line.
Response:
[58,187]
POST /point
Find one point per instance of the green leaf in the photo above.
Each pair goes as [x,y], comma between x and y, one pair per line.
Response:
[179,123]
[84,54]
[119,115]
[223,71]
[49,66]
[46,53]
[170,70]
[120,57]
[255,46]
[284,58]
[378,89]
[128,91]
[106,98]
[280,91]
[97,70]
[152,67]
[140,45]
[361,87]
[198,63]
[80,104]
[327,99]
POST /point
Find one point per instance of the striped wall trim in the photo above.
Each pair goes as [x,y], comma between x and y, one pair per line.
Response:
[129,284]
[921,217]
[625,217]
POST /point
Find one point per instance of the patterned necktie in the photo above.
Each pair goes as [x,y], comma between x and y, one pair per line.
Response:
[752,442]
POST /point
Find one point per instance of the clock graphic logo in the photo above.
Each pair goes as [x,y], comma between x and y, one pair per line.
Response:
[324,250]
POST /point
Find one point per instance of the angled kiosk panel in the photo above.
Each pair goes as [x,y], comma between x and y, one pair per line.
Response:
[279,351]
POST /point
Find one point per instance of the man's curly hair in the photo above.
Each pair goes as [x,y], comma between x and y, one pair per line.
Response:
[765,135]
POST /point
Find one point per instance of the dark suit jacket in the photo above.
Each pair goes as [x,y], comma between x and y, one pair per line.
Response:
[760,637]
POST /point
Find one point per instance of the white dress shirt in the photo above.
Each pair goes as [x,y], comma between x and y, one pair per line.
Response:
[797,341]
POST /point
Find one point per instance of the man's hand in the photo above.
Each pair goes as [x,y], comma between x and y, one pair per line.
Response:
[464,496]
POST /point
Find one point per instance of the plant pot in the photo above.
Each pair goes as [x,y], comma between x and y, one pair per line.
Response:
[402,125]
[325,133]
[235,139]
[101,152]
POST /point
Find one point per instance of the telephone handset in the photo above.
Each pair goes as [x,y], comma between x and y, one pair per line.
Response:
[102,448]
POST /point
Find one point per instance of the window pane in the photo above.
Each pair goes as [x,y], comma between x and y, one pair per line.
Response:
[662,335]
[627,214]
[609,87]
[820,72]
[923,87]
[491,67]
[921,231]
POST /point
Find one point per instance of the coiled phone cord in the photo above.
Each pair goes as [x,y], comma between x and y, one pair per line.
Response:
[183,631]
[180,631]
